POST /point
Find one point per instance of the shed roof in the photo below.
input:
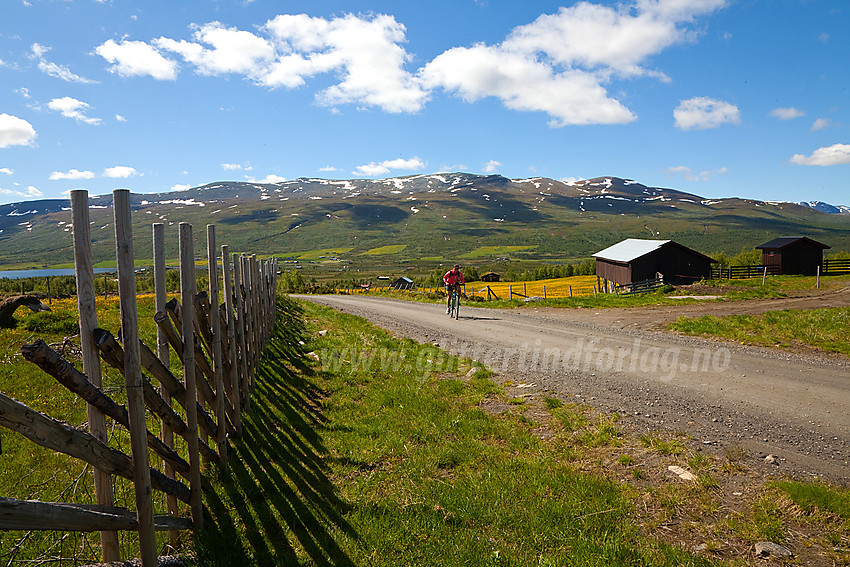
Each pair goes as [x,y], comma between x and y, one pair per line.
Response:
[783,241]
[630,249]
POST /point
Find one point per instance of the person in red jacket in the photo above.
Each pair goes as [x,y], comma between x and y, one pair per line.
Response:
[453,279]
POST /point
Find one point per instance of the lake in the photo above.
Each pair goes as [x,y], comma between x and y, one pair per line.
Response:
[18,274]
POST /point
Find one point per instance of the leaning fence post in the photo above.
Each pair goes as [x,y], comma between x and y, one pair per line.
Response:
[161,298]
[133,375]
[87,309]
[218,365]
[240,330]
[231,339]
[187,293]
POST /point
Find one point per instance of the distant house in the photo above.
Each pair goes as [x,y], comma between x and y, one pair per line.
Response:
[490,277]
[634,260]
[793,255]
[402,283]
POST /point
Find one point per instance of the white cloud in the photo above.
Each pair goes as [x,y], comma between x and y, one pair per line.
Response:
[491,166]
[15,131]
[136,59]
[701,113]
[119,171]
[30,191]
[54,69]
[373,169]
[119,118]
[820,124]
[181,187]
[328,168]
[836,154]
[690,175]
[72,108]
[233,50]
[786,113]
[6,171]
[71,174]
[235,167]
[272,178]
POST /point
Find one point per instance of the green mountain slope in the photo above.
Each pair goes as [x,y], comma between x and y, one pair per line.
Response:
[434,216]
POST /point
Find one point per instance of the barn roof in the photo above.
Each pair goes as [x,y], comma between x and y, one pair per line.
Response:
[630,249]
[784,241]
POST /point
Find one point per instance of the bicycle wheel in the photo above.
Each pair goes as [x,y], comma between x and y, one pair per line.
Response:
[456,303]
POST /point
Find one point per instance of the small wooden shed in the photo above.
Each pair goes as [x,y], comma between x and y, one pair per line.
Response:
[634,260]
[402,283]
[490,277]
[793,255]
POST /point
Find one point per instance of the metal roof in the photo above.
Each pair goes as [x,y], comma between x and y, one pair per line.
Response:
[784,241]
[630,249]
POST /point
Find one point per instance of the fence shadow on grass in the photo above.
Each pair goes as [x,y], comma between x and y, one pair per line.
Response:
[276,503]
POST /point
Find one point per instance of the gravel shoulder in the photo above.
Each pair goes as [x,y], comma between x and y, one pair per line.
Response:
[792,405]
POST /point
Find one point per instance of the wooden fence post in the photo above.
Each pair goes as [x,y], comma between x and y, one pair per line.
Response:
[231,340]
[161,298]
[218,364]
[240,330]
[133,375]
[84,268]
[187,293]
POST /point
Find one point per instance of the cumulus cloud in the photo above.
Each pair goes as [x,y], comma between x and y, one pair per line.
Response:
[72,108]
[119,171]
[137,59]
[701,113]
[180,187]
[54,69]
[15,131]
[836,154]
[820,124]
[382,168]
[29,192]
[71,174]
[328,168]
[786,113]
[560,64]
[691,175]
[235,167]
[491,166]
[6,171]
[270,178]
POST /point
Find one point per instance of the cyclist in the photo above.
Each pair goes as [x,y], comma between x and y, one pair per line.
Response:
[453,279]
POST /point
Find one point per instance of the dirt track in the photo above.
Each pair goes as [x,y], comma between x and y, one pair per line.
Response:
[795,406]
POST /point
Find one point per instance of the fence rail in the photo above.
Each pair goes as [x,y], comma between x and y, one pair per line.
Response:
[738,272]
[220,349]
[644,286]
[833,267]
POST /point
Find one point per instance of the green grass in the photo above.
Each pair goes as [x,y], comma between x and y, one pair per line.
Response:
[483,251]
[812,497]
[825,329]
[317,254]
[382,250]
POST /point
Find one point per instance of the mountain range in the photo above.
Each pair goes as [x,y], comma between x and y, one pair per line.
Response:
[436,216]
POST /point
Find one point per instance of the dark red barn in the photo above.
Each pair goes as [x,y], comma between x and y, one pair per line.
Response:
[634,260]
[793,255]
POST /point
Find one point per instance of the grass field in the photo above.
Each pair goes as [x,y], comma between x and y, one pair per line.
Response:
[485,251]
[382,250]
[825,329]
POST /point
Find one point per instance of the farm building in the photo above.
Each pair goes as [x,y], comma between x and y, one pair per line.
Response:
[490,277]
[793,255]
[402,283]
[635,260]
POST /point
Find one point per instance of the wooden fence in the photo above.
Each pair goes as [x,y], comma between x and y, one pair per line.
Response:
[834,267]
[737,272]
[220,348]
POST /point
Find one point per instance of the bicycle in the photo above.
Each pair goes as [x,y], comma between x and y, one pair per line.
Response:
[454,303]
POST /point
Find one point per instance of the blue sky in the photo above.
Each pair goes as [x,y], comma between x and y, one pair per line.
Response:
[721,98]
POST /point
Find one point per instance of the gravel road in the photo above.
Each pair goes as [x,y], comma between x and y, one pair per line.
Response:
[795,406]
